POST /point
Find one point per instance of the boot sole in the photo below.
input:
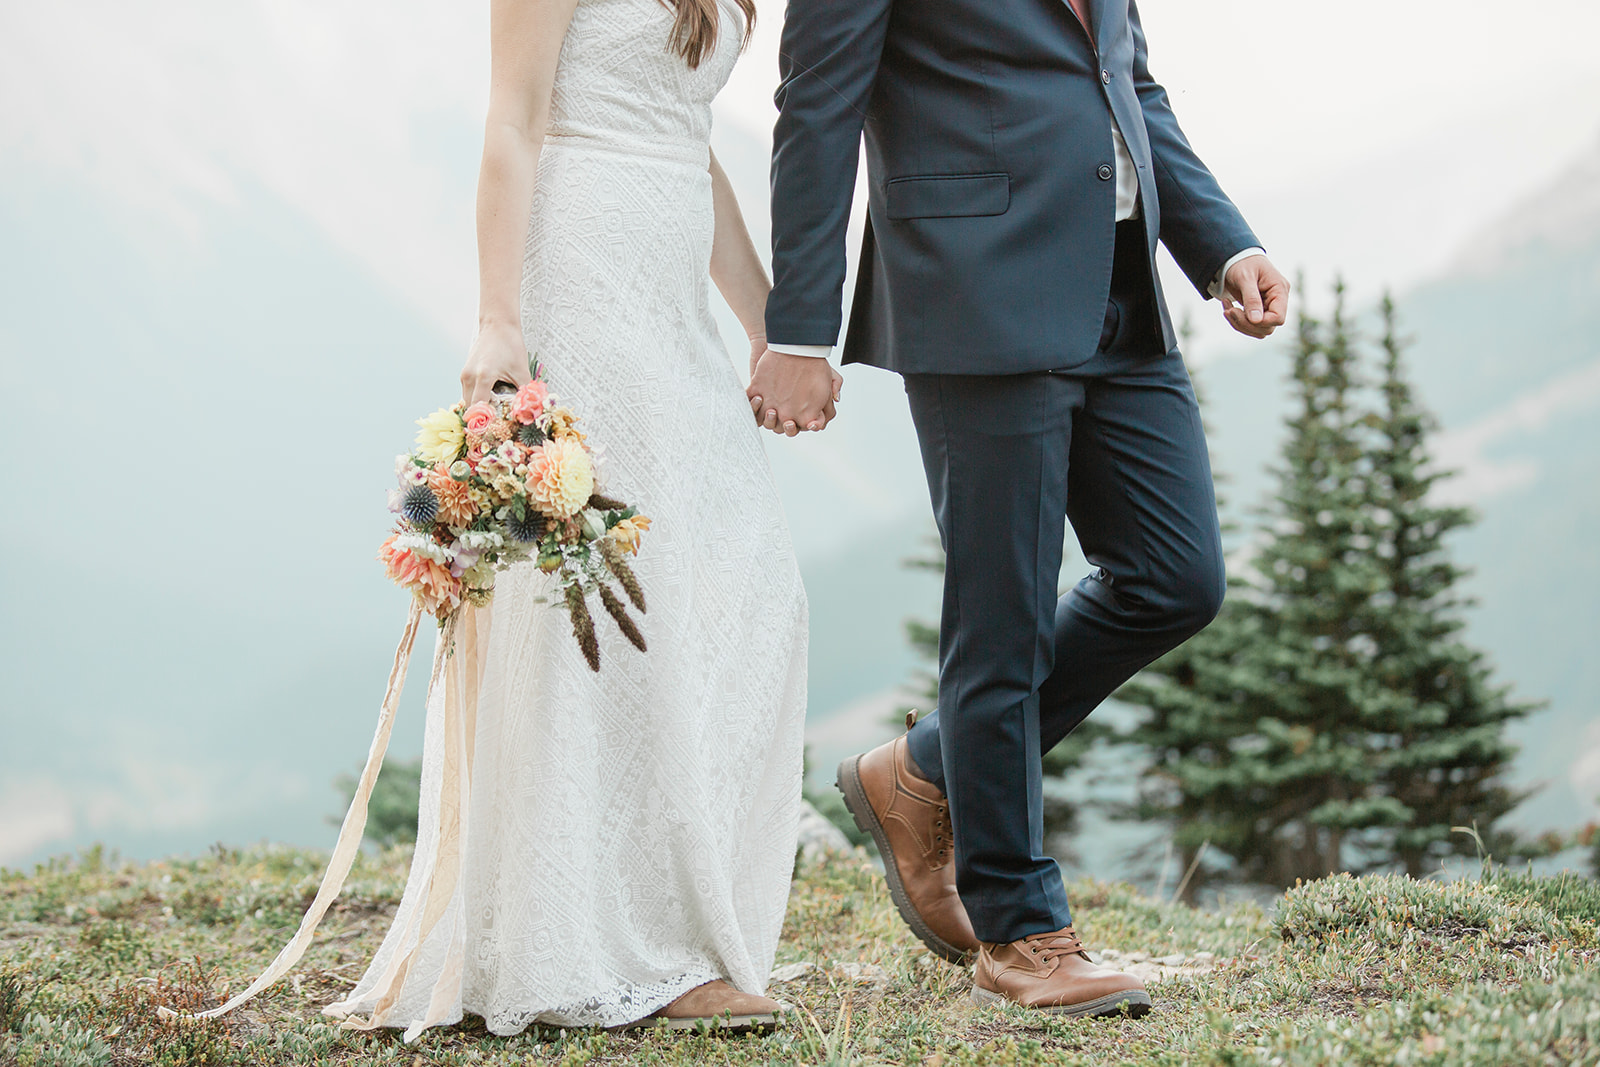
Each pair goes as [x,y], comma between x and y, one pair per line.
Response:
[855,799]
[1134,1002]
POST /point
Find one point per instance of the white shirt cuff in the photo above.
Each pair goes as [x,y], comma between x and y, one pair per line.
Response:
[814,351]
[1215,289]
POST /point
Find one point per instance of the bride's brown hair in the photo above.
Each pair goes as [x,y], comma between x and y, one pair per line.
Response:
[694,31]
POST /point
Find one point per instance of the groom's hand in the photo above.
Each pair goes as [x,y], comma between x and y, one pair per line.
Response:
[790,393]
[1255,297]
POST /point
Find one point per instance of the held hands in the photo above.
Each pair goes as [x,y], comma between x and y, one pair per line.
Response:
[791,393]
[1261,294]
[498,354]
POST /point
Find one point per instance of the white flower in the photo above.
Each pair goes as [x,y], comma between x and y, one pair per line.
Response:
[424,546]
[480,540]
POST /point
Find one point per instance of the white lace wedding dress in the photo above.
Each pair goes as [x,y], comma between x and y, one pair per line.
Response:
[631,833]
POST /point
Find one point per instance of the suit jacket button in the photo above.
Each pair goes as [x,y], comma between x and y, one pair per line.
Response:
[1105,76]
[1106,173]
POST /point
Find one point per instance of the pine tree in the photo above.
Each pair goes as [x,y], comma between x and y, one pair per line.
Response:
[1329,719]
[1446,749]
[1254,727]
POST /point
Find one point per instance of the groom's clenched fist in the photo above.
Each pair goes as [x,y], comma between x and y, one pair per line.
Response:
[790,393]
[1255,297]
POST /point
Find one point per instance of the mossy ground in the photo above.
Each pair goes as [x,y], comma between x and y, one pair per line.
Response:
[1343,971]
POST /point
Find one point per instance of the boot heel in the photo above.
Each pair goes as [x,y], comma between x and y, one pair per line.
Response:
[983,997]
[847,780]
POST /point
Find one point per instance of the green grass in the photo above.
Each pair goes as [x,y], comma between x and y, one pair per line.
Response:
[1346,971]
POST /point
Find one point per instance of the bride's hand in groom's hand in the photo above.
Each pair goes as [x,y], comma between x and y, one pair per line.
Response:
[498,354]
[790,393]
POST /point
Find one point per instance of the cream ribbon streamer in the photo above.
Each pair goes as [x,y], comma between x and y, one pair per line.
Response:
[457,663]
[462,674]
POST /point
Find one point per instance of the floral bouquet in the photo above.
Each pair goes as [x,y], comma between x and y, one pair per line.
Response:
[504,481]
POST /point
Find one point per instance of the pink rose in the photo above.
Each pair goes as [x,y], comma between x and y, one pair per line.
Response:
[478,417]
[529,402]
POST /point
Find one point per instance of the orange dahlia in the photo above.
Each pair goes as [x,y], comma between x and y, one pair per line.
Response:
[432,582]
[456,507]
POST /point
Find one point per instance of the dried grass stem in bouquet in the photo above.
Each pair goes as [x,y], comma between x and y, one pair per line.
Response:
[583,625]
[617,564]
[618,611]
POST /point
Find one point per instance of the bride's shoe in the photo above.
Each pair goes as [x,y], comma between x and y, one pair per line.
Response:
[717,1006]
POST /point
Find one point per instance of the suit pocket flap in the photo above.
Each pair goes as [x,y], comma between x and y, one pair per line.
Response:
[943,196]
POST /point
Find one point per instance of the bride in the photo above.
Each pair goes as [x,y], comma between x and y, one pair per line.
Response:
[632,831]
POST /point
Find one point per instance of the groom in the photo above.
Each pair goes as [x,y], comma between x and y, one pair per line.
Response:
[1022,165]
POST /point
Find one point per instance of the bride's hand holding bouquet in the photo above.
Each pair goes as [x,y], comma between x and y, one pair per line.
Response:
[498,354]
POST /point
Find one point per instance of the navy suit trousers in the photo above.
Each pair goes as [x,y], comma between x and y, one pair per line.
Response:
[1114,446]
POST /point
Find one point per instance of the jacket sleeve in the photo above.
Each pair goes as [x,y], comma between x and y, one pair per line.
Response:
[827,64]
[1199,224]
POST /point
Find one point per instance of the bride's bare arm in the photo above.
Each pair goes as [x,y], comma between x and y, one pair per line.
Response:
[735,266]
[525,39]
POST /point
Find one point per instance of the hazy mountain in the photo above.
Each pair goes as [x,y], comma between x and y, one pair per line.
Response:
[196,430]
[202,412]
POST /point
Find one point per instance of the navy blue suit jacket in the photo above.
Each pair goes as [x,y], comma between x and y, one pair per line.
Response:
[991,221]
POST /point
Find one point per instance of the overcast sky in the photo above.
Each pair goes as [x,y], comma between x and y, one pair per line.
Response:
[1371,136]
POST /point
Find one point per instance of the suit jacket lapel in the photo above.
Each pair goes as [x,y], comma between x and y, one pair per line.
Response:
[1097,21]
[1097,12]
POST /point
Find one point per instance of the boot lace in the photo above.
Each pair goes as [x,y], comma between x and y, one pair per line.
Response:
[943,836]
[1054,945]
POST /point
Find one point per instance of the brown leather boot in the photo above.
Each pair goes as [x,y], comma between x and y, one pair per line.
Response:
[716,1006]
[910,821]
[1053,973]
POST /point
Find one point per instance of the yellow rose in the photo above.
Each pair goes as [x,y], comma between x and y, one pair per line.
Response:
[442,436]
